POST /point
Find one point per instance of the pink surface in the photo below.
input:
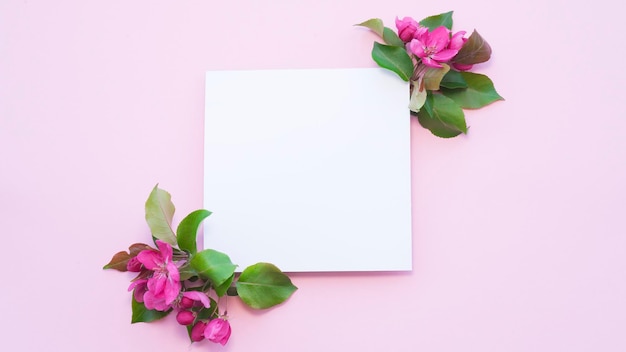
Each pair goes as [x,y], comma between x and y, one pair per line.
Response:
[519,242]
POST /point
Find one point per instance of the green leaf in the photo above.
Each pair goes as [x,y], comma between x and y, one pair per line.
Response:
[213,265]
[141,314]
[187,230]
[474,51]
[375,24]
[443,117]
[390,37]
[186,272]
[433,76]
[479,92]
[428,104]
[263,285]
[223,288]
[189,327]
[436,127]
[393,58]
[159,214]
[453,80]
[118,262]
[208,313]
[442,19]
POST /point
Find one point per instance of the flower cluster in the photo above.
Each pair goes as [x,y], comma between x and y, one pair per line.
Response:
[432,47]
[436,62]
[175,277]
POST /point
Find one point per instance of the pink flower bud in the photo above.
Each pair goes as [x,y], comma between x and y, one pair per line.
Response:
[462,67]
[185,317]
[186,303]
[133,265]
[197,332]
[406,28]
[218,331]
[457,40]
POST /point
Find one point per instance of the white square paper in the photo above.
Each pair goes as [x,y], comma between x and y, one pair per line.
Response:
[309,169]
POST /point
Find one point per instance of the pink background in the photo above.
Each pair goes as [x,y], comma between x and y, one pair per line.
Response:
[519,242]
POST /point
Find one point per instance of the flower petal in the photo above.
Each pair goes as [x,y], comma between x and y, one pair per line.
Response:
[457,41]
[154,302]
[421,33]
[417,48]
[150,259]
[138,294]
[166,250]
[171,290]
[439,38]
[156,284]
[444,55]
[136,283]
[172,271]
[139,289]
[430,62]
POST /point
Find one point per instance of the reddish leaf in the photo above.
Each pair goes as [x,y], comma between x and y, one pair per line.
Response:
[474,51]
[118,262]
[135,248]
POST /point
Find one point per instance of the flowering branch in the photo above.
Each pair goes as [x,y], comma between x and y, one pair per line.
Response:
[436,63]
[175,276]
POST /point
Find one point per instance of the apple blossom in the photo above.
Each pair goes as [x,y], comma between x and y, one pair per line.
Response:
[164,285]
[432,48]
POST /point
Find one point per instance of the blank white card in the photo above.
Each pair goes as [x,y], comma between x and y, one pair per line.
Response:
[308,169]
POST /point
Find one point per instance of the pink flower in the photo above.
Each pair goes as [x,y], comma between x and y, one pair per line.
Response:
[164,285]
[432,48]
[406,28]
[218,331]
